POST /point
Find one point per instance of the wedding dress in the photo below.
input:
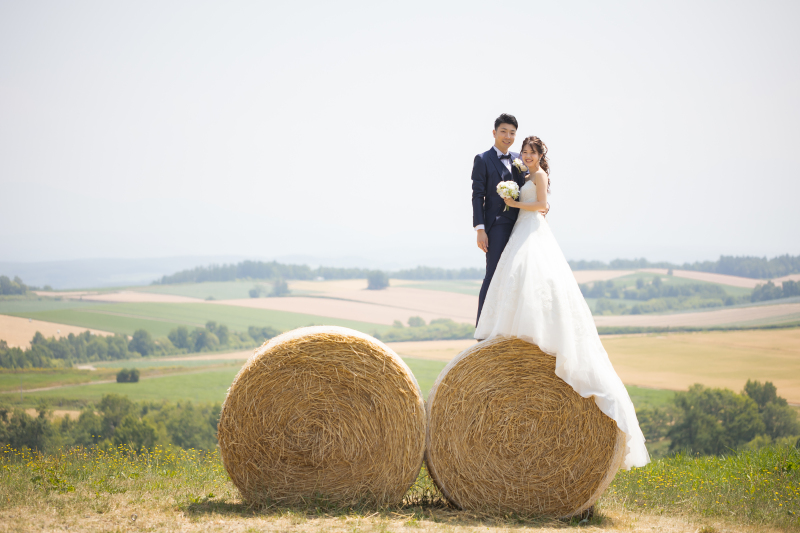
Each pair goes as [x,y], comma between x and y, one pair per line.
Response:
[534,296]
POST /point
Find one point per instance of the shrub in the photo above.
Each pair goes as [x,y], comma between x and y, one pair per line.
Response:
[128,376]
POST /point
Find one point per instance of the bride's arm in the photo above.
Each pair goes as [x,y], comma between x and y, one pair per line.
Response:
[541,196]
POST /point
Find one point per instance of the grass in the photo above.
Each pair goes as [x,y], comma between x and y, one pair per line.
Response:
[196,383]
[219,290]
[757,487]
[160,318]
[471,287]
[204,386]
[645,397]
[47,377]
[630,282]
[33,304]
[187,490]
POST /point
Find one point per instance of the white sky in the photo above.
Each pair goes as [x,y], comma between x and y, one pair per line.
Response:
[265,129]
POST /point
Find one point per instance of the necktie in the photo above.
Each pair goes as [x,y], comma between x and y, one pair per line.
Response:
[507,156]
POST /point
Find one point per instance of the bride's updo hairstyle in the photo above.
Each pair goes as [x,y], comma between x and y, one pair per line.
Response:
[540,148]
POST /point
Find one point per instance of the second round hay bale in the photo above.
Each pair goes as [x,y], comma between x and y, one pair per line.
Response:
[506,434]
[323,412]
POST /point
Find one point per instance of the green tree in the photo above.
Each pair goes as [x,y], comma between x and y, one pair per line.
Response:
[179,337]
[377,280]
[136,433]
[9,286]
[713,421]
[142,342]
[113,408]
[203,340]
[21,430]
[262,334]
[221,331]
[279,288]
[416,322]
[780,420]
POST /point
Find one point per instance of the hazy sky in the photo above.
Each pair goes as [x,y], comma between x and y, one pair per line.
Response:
[265,129]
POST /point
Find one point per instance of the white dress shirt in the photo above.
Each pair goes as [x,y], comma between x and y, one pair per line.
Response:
[507,164]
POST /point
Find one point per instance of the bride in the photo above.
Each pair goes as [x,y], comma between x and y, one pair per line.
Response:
[534,296]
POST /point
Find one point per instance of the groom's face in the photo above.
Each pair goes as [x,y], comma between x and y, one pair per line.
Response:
[504,136]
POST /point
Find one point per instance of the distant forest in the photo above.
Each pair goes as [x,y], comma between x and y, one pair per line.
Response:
[747,267]
[275,270]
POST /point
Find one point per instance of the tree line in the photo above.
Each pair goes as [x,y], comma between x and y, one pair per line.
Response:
[418,330]
[713,421]
[10,286]
[275,270]
[114,421]
[83,348]
[656,296]
[744,266]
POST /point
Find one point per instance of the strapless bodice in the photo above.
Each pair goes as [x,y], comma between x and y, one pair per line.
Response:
[528,192]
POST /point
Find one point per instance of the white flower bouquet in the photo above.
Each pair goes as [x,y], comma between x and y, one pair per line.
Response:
[508,189]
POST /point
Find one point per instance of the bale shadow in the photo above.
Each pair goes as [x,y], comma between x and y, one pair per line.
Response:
[412,514]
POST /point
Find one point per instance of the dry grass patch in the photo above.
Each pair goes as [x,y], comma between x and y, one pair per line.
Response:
[715,359]
[18,332]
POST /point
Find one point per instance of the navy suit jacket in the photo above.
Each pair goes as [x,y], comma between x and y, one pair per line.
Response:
[487,172]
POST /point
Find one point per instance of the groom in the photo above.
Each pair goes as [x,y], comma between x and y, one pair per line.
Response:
[489,217]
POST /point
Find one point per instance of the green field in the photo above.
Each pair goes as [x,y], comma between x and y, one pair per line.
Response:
[202,381]
[207,386]
[160,318]
[196,384]
[218,290]
[32,304]
[630,281]
[645,397]
[471,287]
[33,379]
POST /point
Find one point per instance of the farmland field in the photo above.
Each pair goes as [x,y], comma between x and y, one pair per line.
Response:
[715,359]
[18,331]
[160,318]
[471,287]
[196,383]
[219,290]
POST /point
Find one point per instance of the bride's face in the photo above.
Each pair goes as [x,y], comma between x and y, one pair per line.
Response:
[530,156]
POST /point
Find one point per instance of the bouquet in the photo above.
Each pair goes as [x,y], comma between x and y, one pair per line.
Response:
[508,189]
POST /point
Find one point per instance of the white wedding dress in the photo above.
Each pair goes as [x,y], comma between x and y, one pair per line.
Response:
[534,296]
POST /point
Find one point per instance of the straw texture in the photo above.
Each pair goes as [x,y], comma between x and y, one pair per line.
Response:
[506,434]
[323,412]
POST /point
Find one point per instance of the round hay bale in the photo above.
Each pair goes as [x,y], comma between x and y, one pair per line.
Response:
[506,434]
[323,412]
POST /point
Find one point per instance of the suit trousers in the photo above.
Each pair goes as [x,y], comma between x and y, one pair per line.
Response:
[498,238]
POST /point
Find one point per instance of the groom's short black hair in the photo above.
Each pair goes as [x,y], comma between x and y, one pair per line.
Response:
[505,118]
